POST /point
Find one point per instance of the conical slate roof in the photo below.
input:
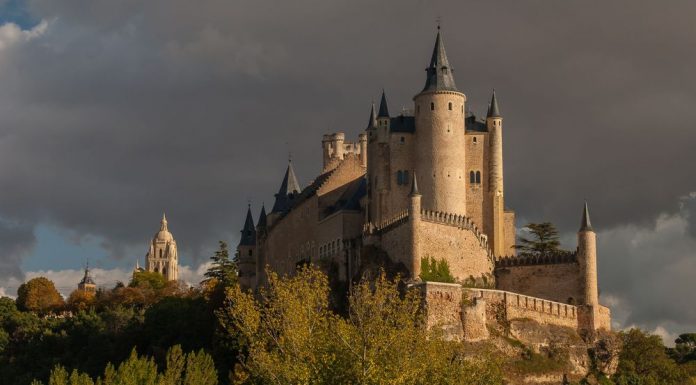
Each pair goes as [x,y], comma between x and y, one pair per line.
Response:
[249,231]
[439,73]
[288,189]
[414,185]
[262,218]
[493,109]
[586,225]
[383,110]
[372,122]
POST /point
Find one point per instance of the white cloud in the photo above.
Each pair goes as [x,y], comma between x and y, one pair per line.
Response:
[645,272]
[11,33]
[66,280]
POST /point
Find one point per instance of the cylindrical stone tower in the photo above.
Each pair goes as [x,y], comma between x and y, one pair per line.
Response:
[587,258]
[496,216]
[440,137]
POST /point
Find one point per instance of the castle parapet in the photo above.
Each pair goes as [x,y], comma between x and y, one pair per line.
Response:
[386,225]
[523,306]
[530,260]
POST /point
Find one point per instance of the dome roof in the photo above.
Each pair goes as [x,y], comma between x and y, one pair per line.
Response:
[164,234]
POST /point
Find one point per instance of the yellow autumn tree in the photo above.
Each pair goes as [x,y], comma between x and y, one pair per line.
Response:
[39,295]
[290,335]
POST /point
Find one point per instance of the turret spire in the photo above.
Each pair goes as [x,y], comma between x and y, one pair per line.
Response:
[414,186]
[373,119]
[586,225]
[383,110]
[249,231]
[262,218]
[288,189]
[493,110]
[439,73]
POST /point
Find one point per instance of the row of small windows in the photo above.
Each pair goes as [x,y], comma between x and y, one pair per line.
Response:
[432,107]
[402,177]
[475,177]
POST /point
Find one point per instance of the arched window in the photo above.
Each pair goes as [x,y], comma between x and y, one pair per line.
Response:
[432,106]
[450,106]
[405,177]
[478,177]
[472,177]
[474,139]
[399,177]
[160,253]
[250,253]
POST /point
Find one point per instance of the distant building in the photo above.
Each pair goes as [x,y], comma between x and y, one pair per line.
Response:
[162,257]
[87,283]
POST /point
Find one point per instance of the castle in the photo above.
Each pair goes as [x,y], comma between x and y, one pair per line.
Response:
[426,184]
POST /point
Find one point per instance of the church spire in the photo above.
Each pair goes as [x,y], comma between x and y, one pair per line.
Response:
[586,225]
[493,109]
[383,110]
[439,73]
[288,189]
[249,231]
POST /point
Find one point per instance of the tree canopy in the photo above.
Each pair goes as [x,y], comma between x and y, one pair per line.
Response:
[39,295]
[544,239]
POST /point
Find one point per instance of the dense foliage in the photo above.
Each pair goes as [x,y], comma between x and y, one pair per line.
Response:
[291,336]
[156,332]
[435,270]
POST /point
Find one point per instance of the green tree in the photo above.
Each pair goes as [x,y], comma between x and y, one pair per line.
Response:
[148,280]
[644,361]
[39,295]
[544,239]
[435,270]
[684,348]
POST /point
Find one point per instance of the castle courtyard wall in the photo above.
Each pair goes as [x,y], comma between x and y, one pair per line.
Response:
[560,282]
[460,247]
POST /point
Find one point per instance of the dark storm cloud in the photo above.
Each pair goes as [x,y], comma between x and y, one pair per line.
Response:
[122,110]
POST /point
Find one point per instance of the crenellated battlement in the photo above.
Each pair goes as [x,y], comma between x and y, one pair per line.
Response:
[531,260]
[386,225]
[520,305]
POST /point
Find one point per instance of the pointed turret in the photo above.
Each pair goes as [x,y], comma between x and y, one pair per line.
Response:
[439,73]
[586,225]
[493,109]
[383,109]
[414,186]
[249,231]
[262,224]
[372,122]
[288,189]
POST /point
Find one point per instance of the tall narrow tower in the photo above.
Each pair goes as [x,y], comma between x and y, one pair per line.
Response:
[162,257]
[440,157]
[496,216]
[587,258]
[246,253]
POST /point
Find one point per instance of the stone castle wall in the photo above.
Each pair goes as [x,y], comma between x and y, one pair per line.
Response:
[477,160]
[462,313]
[517,306]
[560,282]
[456,240]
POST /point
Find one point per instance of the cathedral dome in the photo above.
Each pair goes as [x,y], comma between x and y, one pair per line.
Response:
[164,234]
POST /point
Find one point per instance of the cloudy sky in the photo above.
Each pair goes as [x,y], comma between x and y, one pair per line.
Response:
[112,112]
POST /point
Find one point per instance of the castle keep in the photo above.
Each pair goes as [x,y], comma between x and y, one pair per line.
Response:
[426,184]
